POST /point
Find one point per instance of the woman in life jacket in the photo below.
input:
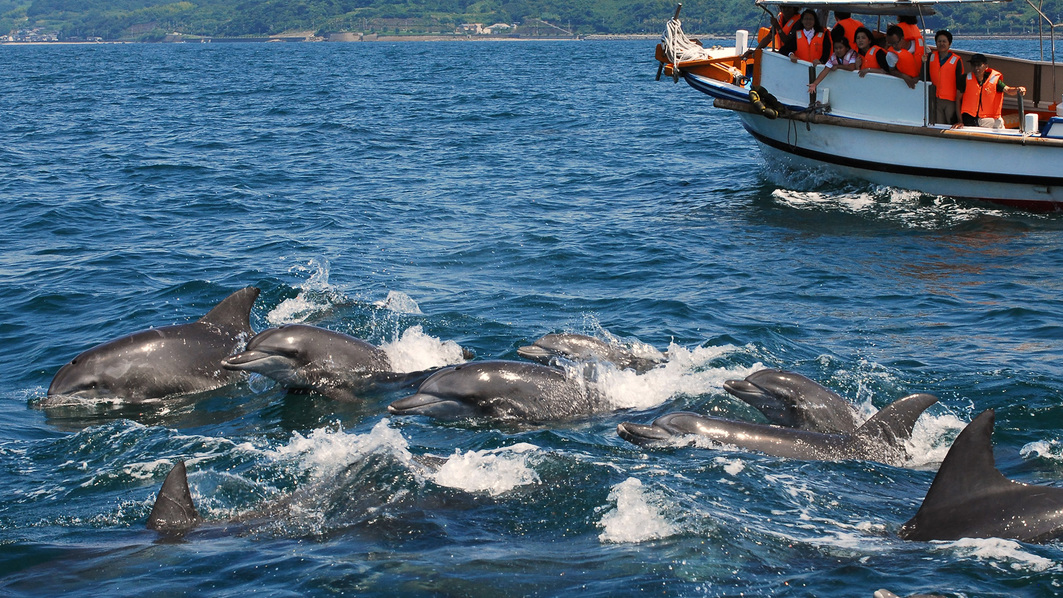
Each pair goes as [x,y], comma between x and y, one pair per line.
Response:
[809,43]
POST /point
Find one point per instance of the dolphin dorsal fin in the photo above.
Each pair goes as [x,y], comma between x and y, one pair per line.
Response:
[173,510]
[895,421]
[234,311]
[969,467]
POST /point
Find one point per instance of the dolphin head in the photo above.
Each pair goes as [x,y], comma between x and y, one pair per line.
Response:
[580,347]
[83,377]
[275,353]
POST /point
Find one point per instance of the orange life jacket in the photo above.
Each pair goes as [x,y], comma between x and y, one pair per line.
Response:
[870,60]
[787,27]
[943,76]
[850,26]
[983,100]
[809,50]
[912,33]
[906,63]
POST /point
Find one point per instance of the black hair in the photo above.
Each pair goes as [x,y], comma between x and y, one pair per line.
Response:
[842,15]
[815,26]
[895,30]
[909,19]
[867,32]
[843,41]
[945,32]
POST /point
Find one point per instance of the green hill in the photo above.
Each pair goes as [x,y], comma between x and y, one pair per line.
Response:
[152,20]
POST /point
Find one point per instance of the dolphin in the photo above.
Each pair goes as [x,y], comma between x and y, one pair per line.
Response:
[332,364]
[792,400]
[580,347]
[159,362]
[880,439]
[970,498]
[501,390]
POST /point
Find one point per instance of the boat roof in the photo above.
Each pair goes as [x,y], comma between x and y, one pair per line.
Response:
[875,7]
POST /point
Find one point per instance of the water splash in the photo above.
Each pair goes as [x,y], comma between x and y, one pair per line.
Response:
[635,518]
[687,372]
[400,303]
[415,351]
[316,295]
[327,451]
[494,471]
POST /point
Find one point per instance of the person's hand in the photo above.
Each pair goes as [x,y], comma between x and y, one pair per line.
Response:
[958,125]
[863,72]
[793,57]
[811,88]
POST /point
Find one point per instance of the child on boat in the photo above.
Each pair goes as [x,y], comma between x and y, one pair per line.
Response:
[844,58]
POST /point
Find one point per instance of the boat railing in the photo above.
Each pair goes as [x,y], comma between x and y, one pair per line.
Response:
[875,96]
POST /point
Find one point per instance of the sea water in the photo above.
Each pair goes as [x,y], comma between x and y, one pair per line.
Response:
[430,197]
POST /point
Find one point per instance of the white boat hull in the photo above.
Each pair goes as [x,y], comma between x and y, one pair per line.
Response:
[957,165]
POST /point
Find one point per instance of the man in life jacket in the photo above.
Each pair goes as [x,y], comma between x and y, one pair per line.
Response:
[844,21]
[983,96]
[781,28]
[947,75]
[899,61]
[913,36]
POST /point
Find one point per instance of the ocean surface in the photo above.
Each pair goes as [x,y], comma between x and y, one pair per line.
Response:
[427,195]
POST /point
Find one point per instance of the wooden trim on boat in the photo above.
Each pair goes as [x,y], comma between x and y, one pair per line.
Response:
[827,119]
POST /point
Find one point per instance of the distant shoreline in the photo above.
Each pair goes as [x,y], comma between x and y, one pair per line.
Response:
[436,38]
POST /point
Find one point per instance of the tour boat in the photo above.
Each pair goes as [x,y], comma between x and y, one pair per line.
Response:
[875,127]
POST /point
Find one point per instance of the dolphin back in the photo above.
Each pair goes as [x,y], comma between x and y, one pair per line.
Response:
[173,511]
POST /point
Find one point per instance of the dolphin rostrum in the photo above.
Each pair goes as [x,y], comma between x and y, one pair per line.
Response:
[881,438]
[165,361]
[970,498]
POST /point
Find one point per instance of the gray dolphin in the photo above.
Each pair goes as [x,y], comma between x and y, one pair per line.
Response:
[792,400]
[163,361]
[502,390]
[970,498]
[580,347]
[330,363]
[881,438]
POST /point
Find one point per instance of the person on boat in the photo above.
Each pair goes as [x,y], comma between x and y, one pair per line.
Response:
[872,57]
[844,22]
[983,96]
[811,42]
[781,28]
[843,57]
[913,35]
[947,75]
[899,61]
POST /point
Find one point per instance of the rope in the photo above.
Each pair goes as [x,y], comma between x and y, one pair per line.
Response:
[678,47]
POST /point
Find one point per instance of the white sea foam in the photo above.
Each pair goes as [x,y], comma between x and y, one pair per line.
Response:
[909,208]
[685,372]
[635,518]
[493,471]
[731,466]
[315,295]
[999,552]
[326,451]
[415,351]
